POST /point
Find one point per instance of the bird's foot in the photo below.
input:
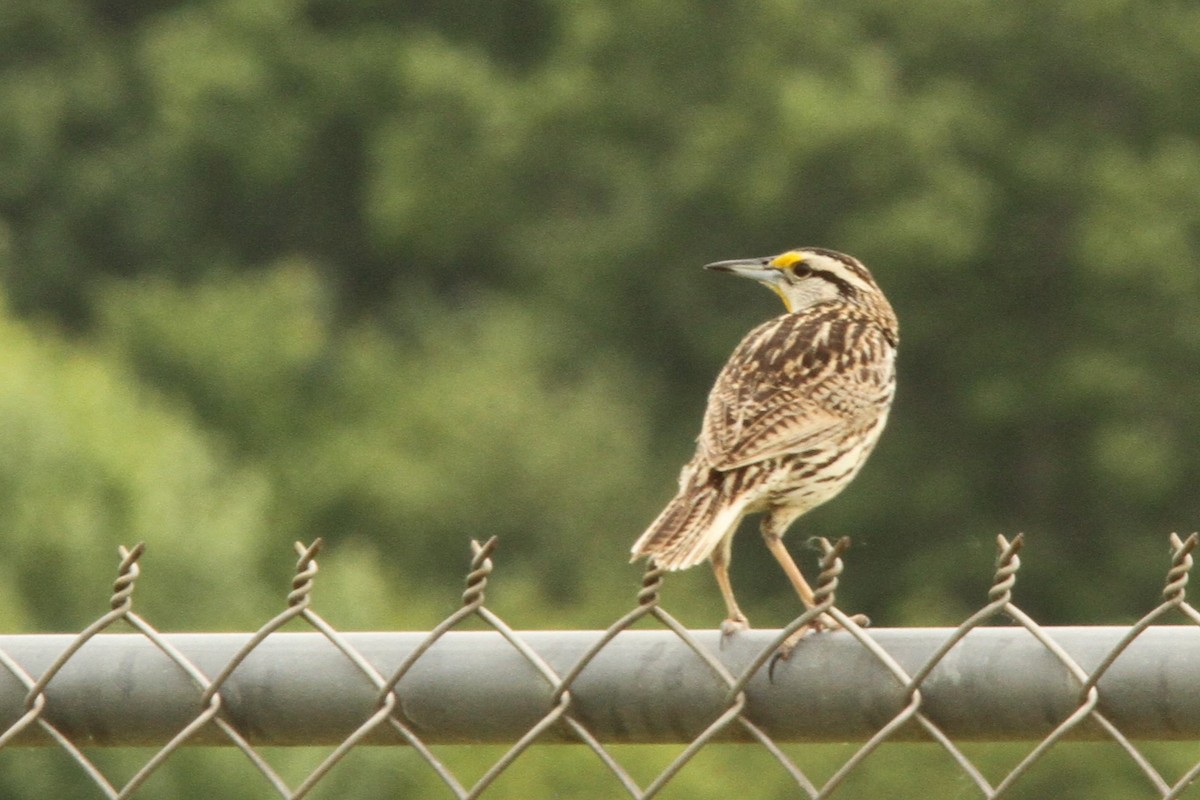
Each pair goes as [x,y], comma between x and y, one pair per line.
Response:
[823,622]
[826,622]
[733,625]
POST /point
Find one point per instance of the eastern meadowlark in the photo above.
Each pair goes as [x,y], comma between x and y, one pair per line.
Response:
[791,419]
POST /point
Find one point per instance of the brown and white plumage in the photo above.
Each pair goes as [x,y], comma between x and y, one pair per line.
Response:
[792,416]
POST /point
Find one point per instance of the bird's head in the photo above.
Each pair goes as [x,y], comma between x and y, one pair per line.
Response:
[808,275]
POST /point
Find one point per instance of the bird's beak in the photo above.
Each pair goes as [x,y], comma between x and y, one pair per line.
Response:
[759,269]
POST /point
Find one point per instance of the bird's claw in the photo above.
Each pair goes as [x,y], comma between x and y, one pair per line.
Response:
[733,625]
[823,622]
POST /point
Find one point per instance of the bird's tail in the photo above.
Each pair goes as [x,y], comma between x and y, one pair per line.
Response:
[689,528]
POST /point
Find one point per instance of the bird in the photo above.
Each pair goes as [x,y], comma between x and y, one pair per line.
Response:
[790,420]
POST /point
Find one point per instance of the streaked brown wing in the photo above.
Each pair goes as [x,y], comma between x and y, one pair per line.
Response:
[787,389]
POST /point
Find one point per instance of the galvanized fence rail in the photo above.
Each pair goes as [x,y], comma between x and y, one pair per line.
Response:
[976,682]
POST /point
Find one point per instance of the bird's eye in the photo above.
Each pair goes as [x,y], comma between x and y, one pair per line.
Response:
[801,270]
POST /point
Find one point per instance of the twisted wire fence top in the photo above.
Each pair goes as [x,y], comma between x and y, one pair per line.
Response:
[598,688]
[127,574]
[1007,565]
[1181,567]
[481,569]
[306,572]
[831,568]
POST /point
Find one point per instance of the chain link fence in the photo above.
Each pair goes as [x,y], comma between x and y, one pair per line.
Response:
[977,682]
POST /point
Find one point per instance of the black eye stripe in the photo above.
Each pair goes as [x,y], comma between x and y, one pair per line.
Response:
[802,271]
[842,284]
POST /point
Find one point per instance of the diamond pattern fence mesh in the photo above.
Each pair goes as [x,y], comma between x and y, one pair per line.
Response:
[646,680]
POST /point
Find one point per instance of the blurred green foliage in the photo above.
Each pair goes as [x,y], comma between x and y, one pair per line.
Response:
[403,274]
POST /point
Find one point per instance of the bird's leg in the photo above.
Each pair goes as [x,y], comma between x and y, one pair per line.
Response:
[735,620]
[773,535]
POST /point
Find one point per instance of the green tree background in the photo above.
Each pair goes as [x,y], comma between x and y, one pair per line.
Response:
[403,274]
